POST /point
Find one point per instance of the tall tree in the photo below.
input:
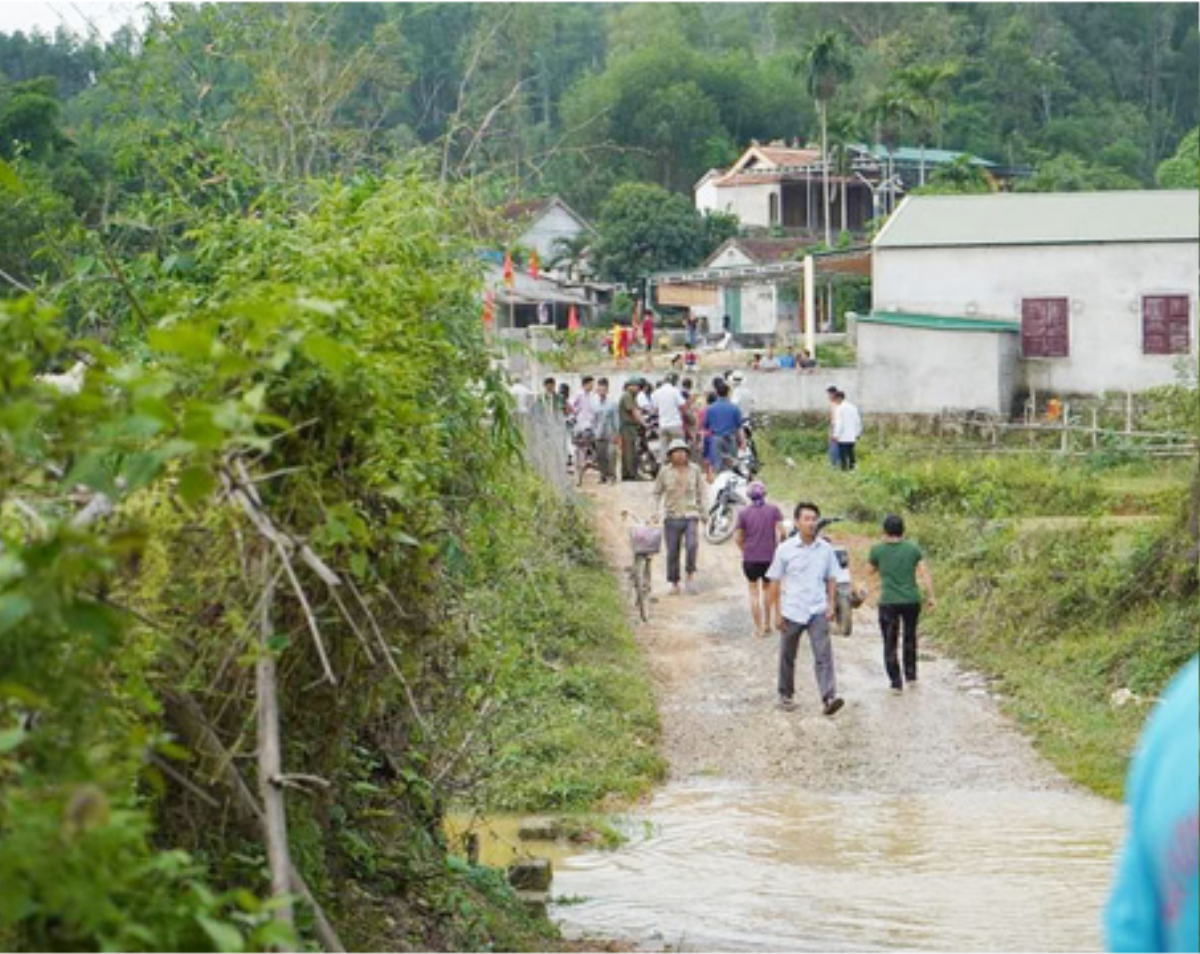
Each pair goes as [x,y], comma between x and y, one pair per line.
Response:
[888,111]
[926,87]
[826,67]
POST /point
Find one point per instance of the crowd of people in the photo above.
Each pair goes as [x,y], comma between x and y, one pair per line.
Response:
[791,573]
[790,569]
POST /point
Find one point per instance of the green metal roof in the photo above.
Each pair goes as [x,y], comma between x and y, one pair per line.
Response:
[933,157]
[1043,218]
[939,322]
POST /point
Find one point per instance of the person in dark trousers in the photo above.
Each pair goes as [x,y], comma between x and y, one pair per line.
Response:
[807,568]
[679,490]
[629,417]
[897,563]
[724,421]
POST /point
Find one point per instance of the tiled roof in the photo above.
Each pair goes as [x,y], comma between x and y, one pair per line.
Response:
[790,157]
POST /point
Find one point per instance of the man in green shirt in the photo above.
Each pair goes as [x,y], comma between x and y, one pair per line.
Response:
[629,418]
[896,562]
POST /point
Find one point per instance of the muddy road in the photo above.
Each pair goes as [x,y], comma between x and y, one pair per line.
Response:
[923,820]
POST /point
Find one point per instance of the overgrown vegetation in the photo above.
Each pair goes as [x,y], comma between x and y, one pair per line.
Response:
[1040,584]
[309,456]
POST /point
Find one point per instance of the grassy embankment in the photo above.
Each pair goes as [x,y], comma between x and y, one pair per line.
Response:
[577,726]
[1066,580]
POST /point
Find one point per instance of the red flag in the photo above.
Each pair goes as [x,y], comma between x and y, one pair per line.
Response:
[509,279]
[489,309]
[534,264]
[572,319]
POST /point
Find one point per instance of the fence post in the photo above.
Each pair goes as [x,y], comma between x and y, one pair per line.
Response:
[1129,411]
[1095,429]
[1066,427]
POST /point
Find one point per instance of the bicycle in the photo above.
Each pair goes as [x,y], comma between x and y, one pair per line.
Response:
[645,540]
[585,455]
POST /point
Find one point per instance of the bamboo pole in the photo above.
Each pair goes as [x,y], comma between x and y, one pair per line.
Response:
[270,759]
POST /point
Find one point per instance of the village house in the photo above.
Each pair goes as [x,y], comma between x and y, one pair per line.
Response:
[756,308]
[547,226]
[778,188]
[979,299]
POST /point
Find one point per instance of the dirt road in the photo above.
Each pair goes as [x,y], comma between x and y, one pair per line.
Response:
[715,683]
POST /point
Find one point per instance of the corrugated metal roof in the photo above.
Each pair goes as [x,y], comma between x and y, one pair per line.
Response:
[1042,218]
[938,322]
[933,157]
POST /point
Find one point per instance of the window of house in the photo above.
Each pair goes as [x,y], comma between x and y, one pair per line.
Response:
[1045,328]
[1165,325]
[773,208]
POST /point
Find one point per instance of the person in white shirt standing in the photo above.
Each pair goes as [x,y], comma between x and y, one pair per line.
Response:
[669,402]
[847,429]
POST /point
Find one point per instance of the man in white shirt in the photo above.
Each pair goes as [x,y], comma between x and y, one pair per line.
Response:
[806,566]
[668,402]
[584,406]
[741,395]
[847,429]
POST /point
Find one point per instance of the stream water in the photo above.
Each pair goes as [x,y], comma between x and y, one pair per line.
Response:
[722,866]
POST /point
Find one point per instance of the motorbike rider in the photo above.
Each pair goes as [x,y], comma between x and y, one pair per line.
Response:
[724,420]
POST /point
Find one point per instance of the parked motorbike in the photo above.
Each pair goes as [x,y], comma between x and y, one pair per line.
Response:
[848,599]
[649,450]
[728,494]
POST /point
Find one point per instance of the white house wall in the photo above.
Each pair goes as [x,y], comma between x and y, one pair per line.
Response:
[554,224]
[1104,283]
[750,203]
[921,371]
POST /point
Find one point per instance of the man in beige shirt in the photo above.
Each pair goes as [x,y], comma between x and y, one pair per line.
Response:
[679,490]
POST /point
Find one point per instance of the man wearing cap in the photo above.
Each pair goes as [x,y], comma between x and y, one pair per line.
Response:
[758,532]
[741,395]
[629,417]
[679,490]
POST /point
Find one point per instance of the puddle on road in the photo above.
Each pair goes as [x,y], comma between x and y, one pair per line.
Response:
[721,866]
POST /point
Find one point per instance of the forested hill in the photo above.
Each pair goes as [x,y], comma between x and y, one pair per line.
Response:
[574,98]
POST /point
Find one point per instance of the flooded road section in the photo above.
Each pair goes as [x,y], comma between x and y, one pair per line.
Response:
[921,821]
[715,865]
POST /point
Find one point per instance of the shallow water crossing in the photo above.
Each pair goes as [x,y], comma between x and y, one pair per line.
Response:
[716,865]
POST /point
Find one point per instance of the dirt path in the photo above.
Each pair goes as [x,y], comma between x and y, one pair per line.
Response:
[715,684]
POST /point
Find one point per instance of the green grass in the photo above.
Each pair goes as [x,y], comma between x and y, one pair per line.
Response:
[1037,586]
[577,726]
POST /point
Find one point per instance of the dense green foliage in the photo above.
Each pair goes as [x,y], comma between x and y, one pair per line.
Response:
[325,351]
[644,229]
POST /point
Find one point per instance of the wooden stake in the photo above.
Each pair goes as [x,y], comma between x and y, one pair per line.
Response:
[270,758]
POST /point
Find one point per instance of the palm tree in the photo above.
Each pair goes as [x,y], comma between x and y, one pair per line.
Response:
[887,112]
[826,66]
[571,254]
[925,88]
[843,133]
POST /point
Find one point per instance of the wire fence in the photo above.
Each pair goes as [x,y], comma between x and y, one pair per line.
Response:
[548,445]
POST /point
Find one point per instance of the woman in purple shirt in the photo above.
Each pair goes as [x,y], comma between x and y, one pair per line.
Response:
[758,532]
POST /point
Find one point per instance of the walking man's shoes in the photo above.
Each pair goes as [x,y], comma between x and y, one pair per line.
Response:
[785,704]
[833,705]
